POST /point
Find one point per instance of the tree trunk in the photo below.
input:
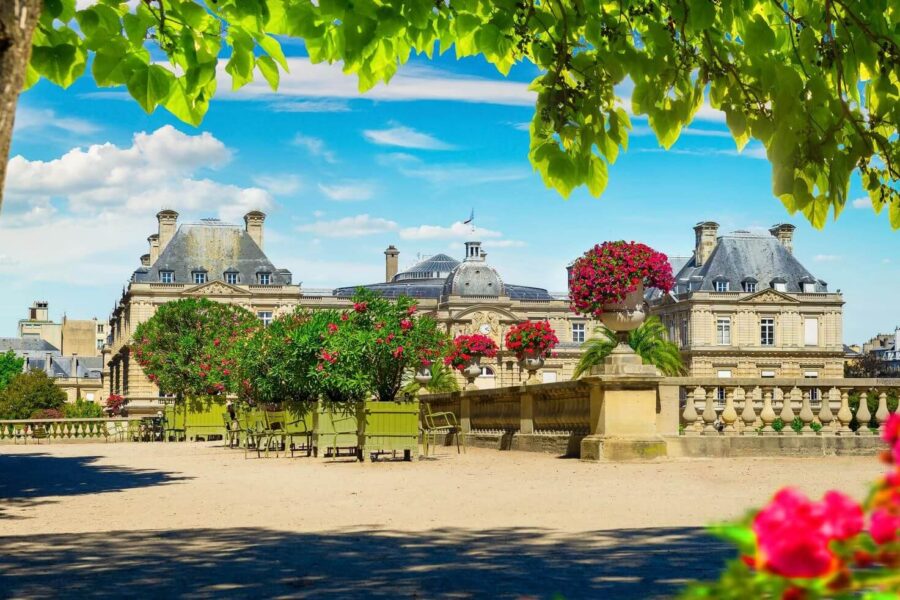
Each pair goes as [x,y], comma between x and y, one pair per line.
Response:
[17,21]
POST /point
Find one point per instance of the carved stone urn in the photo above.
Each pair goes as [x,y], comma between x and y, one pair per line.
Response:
[623,317]
[423,378]
[531,364]
[471,372]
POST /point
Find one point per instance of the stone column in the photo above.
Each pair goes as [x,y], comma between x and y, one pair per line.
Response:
[526,414]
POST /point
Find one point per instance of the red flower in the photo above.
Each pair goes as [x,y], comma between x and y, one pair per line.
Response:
[332,328]
[412,309]
[344,316]
[406,324]
[360,307]
[216,342]
[884,526]
[398,352]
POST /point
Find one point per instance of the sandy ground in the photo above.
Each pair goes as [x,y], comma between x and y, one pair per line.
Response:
[198,520]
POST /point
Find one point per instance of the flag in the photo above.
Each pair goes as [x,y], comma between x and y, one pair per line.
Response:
[471,218]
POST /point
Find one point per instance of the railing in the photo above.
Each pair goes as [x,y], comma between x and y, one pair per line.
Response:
[65,429]
[756,406]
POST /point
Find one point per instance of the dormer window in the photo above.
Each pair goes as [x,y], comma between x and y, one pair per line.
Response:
[721,285]
[264,278]
[198,277]
[779,284]
[166,277]
[749,285]
[809,288]
[231,277]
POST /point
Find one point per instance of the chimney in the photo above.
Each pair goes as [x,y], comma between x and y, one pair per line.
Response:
[145,260]
[897,339]
[167,220]
[154,247]
[784,232]
[705,243]
[391,262]
[253,221]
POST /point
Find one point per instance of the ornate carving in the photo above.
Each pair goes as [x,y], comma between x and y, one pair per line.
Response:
[216,288]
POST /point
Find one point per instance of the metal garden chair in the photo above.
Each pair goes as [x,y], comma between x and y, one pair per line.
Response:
[434,423]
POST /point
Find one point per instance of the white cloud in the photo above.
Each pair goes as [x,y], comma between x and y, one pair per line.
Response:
[279,185]
[442,173]
[457,231]
[39,119]
[315,146]
[645,130]
[318,214]
[348,191]
[107,194]
[405,137]
[350,226]
[412,82]
[310,106]
[826,258]
[864,202]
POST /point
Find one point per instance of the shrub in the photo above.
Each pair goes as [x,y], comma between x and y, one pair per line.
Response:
[82,409]
[47,413]
[28,393]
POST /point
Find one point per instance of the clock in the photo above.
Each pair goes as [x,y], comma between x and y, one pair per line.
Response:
[485,329]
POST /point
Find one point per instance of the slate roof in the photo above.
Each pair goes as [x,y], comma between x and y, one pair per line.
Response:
[743,256]
[434,267]
[25,346]
[89,367]
[216,247]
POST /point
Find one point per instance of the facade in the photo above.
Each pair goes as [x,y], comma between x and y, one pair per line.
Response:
[211,259]
[80,337]
[76,376]
[38,325]
[885,348]
[744,306]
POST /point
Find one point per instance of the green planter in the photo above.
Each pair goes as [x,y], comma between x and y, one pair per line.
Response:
[389,427]
[334,431]
[196,422]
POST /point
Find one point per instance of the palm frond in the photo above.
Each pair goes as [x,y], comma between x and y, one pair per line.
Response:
[648,341]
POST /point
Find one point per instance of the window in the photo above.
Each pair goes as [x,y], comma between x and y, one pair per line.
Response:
[750,286]
[720,396]
[780,286]
[548,377]
[767,332]
[578,333]
[166,277]
[199,277]
[685,334]
[724,373]
[487,372]
[767,374]
[231,278]
[723,331]
[721,286]
[811,331]
[809,288]
[265,316]
[263,278]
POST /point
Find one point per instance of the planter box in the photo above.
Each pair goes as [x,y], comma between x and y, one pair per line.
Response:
[389,427]
[334,431]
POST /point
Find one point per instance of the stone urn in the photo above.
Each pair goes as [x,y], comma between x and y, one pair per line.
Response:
[423,378]
[471,372]
[623,317]
[531,364]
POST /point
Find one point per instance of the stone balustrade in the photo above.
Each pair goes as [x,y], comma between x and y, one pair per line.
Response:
[764,406]
[26,430]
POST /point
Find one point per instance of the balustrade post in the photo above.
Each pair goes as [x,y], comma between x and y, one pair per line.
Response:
[729,414]
[844,415]
[465,413]
[882,414]
[768,413]
[526,413]
[690,410]
[863,416]
[806,414]
[709,415]
[826,417]
[787,410]
[748,414]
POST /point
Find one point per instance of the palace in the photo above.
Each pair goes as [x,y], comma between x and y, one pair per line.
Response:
[744,306]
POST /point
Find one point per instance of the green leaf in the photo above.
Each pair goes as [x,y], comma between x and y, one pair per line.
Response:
[150,85]
[269,70]
[61,64]
[273,49]
[597,176]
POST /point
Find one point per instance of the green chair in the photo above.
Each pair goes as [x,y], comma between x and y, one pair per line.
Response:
[334,431]
[300,428]
[232,431]
[434,423]
[274,432]
[249,427]
[171,429]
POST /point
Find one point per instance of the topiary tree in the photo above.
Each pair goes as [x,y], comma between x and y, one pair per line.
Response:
[190,347]
[814,82]
[10,366]
[29,393]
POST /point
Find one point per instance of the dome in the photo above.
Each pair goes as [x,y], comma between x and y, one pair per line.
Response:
[435,267]
[474,277]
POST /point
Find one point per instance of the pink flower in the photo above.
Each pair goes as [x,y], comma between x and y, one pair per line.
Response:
[332,328]
[398,352]
[360,307]
[406,324]
[793,532]
[412,309]
[344,316]
[884,526]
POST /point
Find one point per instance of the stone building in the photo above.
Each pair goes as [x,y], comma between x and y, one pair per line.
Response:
[470,296]
[744,306]
[79,337]
[211,259]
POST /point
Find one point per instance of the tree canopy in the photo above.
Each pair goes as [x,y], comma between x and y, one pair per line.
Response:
[10,366]
[816,82]
[28,394]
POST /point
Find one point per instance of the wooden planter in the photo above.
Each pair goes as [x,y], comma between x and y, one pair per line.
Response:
[334,431]
[389,427]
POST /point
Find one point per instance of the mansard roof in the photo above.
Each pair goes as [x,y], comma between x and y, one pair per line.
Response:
[214,247]
[744,256]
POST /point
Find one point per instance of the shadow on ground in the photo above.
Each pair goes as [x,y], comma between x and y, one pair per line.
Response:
[28,479]
[443,563]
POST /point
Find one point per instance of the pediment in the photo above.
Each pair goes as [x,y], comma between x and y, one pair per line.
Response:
[216,288]
[769,296]
[480,311]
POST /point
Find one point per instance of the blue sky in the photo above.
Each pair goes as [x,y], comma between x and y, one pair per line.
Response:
[341,176]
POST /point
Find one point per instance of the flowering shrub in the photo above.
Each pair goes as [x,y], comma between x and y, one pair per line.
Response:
[47,413]
[798,548]
[468,347]
[531,339]
[610,271]
[114,404]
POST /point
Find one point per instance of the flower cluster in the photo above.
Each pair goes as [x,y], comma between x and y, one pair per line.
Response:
[114,404]
[801,548]
[607,273]
[531,339]
[468,347]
